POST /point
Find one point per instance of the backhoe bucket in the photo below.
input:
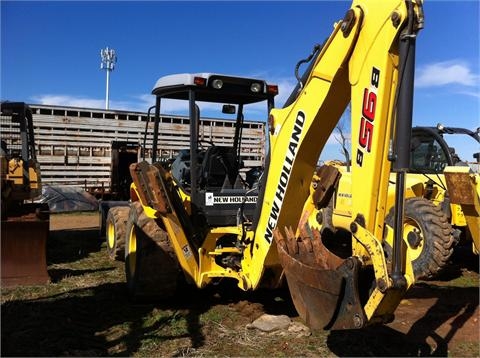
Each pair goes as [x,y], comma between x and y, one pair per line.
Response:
[24,240]
[322,285]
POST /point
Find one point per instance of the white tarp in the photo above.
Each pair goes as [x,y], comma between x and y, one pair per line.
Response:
[64,199]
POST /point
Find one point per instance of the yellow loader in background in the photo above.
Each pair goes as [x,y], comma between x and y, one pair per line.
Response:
[25,224]
[441,206]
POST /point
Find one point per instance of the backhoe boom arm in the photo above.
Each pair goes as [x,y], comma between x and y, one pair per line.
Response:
[362,62]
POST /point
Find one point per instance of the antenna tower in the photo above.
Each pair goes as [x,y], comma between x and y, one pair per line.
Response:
[109,59]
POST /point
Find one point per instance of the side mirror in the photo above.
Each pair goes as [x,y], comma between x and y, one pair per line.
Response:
[228,109]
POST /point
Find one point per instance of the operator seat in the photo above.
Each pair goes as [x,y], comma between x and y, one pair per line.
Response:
[217,165]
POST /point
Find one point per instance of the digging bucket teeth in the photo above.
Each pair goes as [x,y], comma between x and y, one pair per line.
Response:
[323,286]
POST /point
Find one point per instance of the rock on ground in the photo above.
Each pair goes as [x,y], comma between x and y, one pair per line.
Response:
[270,323]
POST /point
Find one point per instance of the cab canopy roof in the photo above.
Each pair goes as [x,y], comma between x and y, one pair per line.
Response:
[210,87]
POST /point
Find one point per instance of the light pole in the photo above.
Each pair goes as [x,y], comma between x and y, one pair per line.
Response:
[109,58]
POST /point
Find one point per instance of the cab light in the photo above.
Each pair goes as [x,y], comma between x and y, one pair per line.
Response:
[255,87]
[272,89]
[217,84]
[200,81]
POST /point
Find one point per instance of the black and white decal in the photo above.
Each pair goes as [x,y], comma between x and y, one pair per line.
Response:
[285,176]
[211,199]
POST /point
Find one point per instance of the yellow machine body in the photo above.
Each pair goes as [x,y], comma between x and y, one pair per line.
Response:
[359,63]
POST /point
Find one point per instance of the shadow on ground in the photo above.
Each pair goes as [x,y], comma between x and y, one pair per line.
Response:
[438,310]
[77,323]
[100,320]
[64,246]
[457,305]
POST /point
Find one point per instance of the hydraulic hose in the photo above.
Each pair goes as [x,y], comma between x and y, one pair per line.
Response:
[403,131]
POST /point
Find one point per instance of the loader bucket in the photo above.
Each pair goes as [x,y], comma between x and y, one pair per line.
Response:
[23,254]
[322,285]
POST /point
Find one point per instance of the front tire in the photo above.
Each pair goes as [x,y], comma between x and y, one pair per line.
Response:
[429,237]
[151,268]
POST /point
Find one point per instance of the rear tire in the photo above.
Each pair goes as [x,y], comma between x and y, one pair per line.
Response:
[431,239]
[151,268]
[115,232]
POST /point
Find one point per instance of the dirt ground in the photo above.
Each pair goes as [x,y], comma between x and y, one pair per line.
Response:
[71,222]
[85,312]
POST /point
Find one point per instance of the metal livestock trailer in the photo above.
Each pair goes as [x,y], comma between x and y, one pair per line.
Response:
[92,148]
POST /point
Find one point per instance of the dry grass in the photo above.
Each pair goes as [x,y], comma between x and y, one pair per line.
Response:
[85,311]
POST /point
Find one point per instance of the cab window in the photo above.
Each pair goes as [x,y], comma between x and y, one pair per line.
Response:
[427,156]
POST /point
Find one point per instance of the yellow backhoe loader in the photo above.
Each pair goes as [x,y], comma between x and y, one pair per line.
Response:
[201,219]
[434,219]
[25,225]
[437,173]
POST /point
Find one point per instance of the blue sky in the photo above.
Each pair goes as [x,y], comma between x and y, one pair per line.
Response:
[50,51]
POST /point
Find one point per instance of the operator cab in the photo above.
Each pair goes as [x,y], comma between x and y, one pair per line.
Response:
[432,151]
[211,173]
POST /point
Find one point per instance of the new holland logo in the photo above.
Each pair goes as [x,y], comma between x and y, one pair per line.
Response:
[285,176]
[211,200]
